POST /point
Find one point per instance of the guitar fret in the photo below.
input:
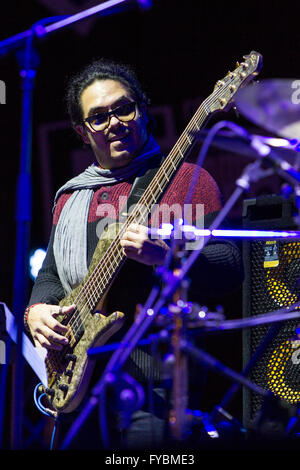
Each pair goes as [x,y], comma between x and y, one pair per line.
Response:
[172,163]
[150,191]
[180,152]
[159,186]
[188,139]
[165,174]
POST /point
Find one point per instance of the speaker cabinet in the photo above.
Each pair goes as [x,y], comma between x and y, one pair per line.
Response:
[272,274]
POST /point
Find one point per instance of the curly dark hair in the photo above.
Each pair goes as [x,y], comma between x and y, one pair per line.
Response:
[101,69]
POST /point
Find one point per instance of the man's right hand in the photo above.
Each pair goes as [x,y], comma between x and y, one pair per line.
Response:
[46,331]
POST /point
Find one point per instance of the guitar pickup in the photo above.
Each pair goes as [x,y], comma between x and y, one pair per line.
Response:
[75,332]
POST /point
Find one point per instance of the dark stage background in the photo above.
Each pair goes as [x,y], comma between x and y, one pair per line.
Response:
[179,51]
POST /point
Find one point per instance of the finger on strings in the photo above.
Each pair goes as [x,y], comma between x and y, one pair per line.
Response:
[138,228]
[59,310]
[45,343]
[130,244]
[53,337]
[57,326]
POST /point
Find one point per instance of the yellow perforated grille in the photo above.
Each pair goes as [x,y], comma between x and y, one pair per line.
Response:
[275,274]
[282,367]
[277,279]
[279,371]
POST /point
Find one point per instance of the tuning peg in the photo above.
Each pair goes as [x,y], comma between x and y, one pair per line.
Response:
[244,65]
[219,84]
[231,74]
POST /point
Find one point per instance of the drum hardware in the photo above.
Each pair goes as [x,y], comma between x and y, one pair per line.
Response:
[264,156]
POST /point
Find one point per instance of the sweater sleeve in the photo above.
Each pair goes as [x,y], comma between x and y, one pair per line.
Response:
[47,288]
[218,270]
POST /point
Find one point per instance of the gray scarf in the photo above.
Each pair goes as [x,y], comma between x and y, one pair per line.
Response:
[70,240]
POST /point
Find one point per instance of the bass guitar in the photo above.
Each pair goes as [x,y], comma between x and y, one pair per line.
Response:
[70,369]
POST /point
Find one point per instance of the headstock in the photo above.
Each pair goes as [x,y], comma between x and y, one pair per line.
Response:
[226,88]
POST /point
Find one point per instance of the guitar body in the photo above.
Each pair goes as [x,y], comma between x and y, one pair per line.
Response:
[69,371]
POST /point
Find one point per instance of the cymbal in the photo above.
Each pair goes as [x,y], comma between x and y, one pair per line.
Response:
[273,105]
[229,142]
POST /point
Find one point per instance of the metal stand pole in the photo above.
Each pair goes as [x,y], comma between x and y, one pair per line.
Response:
[28,62]
[23,220]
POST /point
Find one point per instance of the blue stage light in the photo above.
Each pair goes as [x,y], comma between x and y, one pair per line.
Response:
[35,262]
[145,4]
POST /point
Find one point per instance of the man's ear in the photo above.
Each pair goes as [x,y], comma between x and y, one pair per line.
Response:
[144,112]
[83,133]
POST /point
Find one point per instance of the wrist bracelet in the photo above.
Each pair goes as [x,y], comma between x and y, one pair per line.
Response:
[27,313]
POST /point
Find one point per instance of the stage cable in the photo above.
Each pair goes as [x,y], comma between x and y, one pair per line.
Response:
[45,411]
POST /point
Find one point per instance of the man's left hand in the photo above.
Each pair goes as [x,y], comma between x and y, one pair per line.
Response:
[138,246]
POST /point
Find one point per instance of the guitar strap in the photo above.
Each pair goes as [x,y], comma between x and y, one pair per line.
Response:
[140,184]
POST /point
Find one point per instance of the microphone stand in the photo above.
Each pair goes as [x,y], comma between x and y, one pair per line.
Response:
[28,63]
[28,60]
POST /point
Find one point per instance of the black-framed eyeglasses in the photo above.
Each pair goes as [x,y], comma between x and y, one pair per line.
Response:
[100,121]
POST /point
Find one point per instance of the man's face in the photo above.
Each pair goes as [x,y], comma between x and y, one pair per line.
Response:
[120,142]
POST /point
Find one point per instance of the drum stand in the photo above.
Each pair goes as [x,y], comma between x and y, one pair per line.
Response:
[173,286]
